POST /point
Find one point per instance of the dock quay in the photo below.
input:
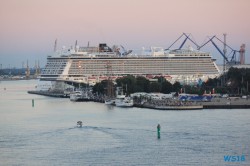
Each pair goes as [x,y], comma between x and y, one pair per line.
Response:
[49,93]
[215,103]
[169,104]
[246,106]
[211,105]
[61,94]
[227,103]
[177,107]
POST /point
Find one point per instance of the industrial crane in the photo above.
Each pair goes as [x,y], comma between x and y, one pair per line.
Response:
[233,52]
[233,59]
[182,44]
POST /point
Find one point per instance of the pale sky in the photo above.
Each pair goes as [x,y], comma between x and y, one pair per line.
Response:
[28,28]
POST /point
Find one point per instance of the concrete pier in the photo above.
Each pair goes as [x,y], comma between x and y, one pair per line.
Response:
[215,103]
[47,93]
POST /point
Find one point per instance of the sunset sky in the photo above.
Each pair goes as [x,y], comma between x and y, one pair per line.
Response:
[29,28]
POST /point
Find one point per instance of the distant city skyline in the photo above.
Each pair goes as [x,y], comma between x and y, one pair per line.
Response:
[29,28]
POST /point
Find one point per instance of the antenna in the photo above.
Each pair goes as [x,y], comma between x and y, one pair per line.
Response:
[36,68]
[224,60]
[39,70]
[55,45]
[109,83]
[76,46]
[242,54]
[27,70]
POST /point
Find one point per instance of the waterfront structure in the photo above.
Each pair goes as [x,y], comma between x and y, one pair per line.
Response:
[79,96]
[89,64]
[123,101]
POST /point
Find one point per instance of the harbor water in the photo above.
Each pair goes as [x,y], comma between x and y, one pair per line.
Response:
[43,131]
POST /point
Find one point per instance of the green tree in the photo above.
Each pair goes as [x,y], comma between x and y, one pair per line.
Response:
[212,82]
[100,87]
[177,87]
[142,84]
[155,87]
[166,87]
[127,83]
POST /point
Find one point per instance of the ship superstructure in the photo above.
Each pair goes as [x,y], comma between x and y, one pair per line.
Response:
[89,64]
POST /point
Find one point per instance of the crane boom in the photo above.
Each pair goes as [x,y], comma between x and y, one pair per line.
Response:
[183,43]
[205,43]
[191,40]
[227,58]
[174,42]
[219,50]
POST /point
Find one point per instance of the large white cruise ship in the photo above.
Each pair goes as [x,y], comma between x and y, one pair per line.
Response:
[94,64]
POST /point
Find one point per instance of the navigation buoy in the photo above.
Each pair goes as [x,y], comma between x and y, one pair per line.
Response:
[79,124]
[158,131]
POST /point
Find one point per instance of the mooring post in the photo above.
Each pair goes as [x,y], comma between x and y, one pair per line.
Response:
[33,103]
[158,131]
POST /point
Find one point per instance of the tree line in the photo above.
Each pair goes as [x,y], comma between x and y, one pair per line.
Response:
[234,82]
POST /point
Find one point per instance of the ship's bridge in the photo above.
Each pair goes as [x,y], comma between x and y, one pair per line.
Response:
[188,52]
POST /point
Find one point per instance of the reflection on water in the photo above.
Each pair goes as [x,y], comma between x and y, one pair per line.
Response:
[46,134]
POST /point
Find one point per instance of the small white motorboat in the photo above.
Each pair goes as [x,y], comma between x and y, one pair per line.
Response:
[79,124]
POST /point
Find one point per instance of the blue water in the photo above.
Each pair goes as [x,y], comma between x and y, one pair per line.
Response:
[46,134]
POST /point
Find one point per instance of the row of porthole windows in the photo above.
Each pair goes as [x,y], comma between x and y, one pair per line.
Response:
[141,61]
[47,71]
[63,64]
[150,68]
[141,64]
[144,65]
[54,66]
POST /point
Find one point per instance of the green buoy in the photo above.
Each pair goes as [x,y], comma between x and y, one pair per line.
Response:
[33,103]
[158,131]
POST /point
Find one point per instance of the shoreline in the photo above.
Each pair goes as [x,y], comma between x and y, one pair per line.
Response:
[204,107]
[50,94]
[222,104]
